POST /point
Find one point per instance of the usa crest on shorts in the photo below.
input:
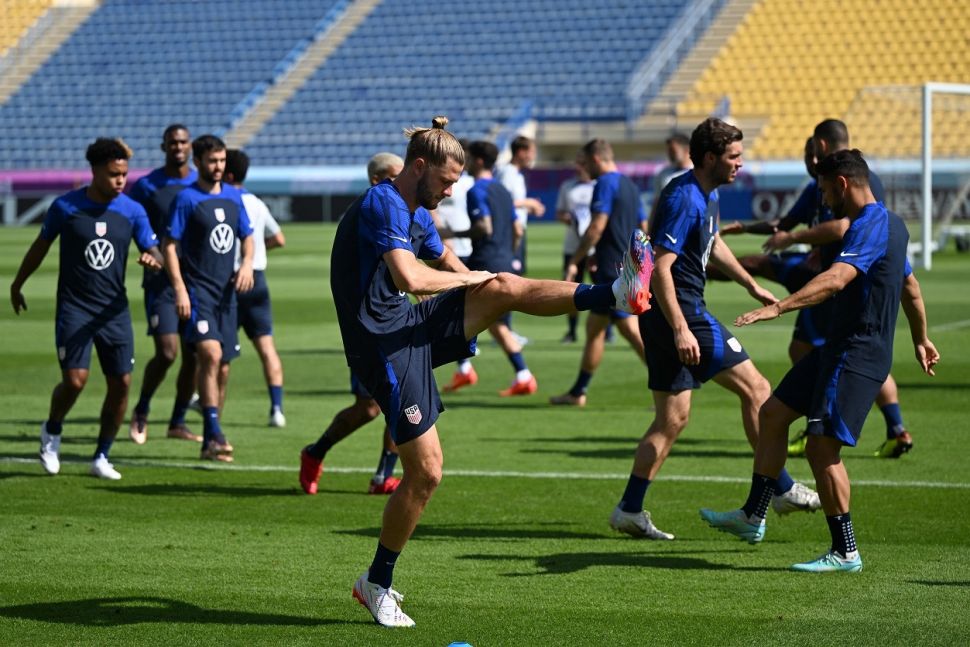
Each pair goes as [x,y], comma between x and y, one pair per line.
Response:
[413,414]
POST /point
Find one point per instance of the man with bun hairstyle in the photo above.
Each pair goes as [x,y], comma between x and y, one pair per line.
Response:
[392,345]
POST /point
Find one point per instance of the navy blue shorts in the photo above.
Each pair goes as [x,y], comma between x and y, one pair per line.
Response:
[358,389]
[599,277]
[720,350]
[76,331]
[812,324]
[215,320]
[403,383]
[835,401]
[255,309]
[791,270]
[160,312]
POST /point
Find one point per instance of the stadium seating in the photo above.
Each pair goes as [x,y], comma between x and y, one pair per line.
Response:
[477,63]
[16,16]
[134,66]
[792,63]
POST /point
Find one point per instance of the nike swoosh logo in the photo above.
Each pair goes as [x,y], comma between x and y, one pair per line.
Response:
[847,254]
[671,238]
[403,240]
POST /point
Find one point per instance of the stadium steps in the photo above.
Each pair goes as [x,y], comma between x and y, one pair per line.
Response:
[284,89]
[662,111]
[43,38]
[16,18]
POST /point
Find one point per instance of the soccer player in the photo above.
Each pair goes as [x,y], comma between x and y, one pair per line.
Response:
[206,219]
[511,177]
[688,346]
[155,192]
[616,210]
[382,166]
[96,225]
[495,233]
[835,385]
[255,311]
[678,163]
[572,209]
[826,232]
[392,346]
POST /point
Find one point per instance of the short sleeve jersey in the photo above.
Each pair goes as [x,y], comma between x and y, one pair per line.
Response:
[685,223]
[574,198]
[207,225]
[619,198]
[453,211]
[264,225]
[94,249]
[374,316]
[489,198]
[865,311]
[155,192]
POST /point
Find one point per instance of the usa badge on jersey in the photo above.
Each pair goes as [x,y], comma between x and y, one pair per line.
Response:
[101,228]
[413,414]
[220,214]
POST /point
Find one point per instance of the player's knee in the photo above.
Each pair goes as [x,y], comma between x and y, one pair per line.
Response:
[672,422]
[822,452]
[506,284]
[75,381]
[168,353]
[371,409]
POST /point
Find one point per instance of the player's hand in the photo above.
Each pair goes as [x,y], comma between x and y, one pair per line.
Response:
[731,228]
[148,260]
[537,208]
[767,313]
[244,279]
[572,271]
[927,356]
[17,300]
[477,277]
[688,350]
[183,307]
[763,295]
[779,241]
[592,265]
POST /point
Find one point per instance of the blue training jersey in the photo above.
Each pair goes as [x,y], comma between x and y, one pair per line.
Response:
[494,253]
[207,226]
[865,311]
[685,223]
[619,198]
[155,192]
[94,249]
[376,319]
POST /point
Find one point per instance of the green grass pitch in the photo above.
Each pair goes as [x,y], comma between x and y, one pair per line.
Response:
[514,548]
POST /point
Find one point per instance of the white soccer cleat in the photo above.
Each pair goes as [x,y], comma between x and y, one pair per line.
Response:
[636,524]
[383,604]
[277,419]
[50,445]
[195,404]
[631,289]
[799,498]
[101,468]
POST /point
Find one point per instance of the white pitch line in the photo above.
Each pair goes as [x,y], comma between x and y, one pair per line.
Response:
[589,476]
[952,325]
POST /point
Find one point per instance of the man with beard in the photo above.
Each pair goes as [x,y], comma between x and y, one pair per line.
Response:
[392,346]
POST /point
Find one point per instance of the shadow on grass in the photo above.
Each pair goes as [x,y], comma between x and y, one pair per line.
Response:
[113,612]
[312,392]
[66,439]
[311,351]
[199,490]
[565,563]
[957,583]
[627,452]
[483,531]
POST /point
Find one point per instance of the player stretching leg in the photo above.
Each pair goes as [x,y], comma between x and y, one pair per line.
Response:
[835,385]
[155,192]
[392,346]
[688,346]
[96,225]
[206,219]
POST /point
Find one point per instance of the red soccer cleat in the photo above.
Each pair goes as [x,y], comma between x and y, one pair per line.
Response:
[526,387]
[387,487]
[459,380]
[310,471]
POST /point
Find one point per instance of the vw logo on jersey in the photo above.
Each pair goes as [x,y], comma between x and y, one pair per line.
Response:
[222,239]
[99,254]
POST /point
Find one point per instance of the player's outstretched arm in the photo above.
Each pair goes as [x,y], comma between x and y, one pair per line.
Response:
[815,291]
[448,262]
[411,275]
[821,234]
[32,260]
[912,302]
[724,259]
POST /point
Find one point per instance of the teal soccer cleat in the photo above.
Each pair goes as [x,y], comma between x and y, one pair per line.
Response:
[831,562]
[736,523]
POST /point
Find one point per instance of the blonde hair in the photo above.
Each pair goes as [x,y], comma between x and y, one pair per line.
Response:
[381,164]
[436,145]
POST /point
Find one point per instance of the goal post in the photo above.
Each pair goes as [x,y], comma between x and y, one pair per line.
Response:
[929,89]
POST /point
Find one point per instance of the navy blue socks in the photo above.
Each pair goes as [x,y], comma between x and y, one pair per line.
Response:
[381,570]
[276,398]
[589,297]
[843,537]
[762,489]
[636,489]
[581,384]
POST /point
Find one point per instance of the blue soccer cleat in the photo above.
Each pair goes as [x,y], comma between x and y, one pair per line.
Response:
[735,522]
[831,562]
